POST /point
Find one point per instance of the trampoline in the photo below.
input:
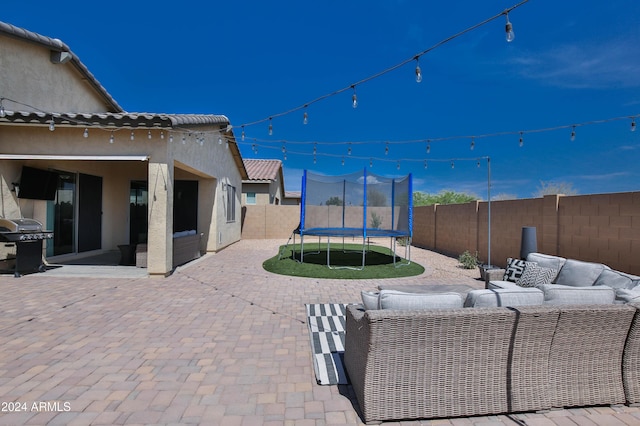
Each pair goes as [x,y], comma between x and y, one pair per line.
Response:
[357,205]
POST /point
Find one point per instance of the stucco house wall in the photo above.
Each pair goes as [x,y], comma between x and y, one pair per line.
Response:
[157,148]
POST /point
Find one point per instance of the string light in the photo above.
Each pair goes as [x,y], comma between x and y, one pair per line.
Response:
[170,137]
[149,135]
[242,134]
[398,166]
[111,138]
[386,149]
[509,29]
[473,143]
[161,135]
[425,164]
[573,133]
[85,134]
[270,127]
[354,98]
[183,140]
[453,165]
[219,140]
[521,140]
[133,136]
[52,124]
[343,161]
[418,70]
[305,117]
[428,146]
[370,162]
[633,124]
[397,66]
[349,150]
[314,159]
[315,148]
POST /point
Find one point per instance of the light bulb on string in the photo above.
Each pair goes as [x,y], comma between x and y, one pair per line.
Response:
[418,70]
[425,164]
[478,164]
[573,133]
[370,163]
[453,165]
[284,157]
[226,144]
[170,137]
[315,148]
[398,166]
[133,136]
[111,138]
[149,134]
[349,150]
[270,127]
[52,124]
[510,36]
[386,148]
[343,161]
[428,147]
[284,148]
[633,124]
[305,116]
[354,98]
[521,142]
[242,134]
[219,140]
[162,135]
[254,149]
[183,140]
[85,134]
[473,143]
[314,159]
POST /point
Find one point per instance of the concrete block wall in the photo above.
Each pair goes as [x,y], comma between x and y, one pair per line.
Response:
[600,228]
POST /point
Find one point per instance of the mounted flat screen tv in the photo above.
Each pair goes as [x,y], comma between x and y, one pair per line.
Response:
[37,184]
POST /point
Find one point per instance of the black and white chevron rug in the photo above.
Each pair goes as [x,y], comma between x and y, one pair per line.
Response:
[326,328]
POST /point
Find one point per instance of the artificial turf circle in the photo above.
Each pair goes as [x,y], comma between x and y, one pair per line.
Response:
[378,262]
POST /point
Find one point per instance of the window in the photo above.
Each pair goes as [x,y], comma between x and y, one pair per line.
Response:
[251,197]
[231,203]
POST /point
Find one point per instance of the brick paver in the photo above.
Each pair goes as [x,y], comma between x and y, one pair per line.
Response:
[219,342]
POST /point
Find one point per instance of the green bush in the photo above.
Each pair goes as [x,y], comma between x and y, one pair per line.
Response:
[468,260]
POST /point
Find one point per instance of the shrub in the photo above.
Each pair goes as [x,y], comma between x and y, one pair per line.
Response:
[468,260]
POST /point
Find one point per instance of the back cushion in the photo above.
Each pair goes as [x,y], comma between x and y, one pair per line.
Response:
[370,299]
[393,299]
[555,294]
[579,274]
[547,261]
[617,279]
[486,298]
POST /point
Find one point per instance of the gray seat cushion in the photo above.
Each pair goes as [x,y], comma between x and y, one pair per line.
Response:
[392,299]
[489,298]
[556,294]
[617,279]
[626,295]
[577,273]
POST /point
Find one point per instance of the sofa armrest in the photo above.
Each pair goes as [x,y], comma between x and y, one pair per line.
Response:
[495,284]
[493,275]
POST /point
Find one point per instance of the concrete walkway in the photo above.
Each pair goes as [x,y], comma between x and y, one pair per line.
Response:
[219,342]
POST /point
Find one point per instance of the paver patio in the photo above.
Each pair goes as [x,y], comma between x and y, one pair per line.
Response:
[219,342]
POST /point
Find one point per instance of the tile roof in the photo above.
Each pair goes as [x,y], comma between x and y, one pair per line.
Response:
[109,119]
[57,45]
[263,169]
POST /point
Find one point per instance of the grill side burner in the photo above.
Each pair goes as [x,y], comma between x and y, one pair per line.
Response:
[27,235]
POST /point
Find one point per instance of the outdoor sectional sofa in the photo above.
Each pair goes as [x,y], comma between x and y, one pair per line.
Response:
[448,362]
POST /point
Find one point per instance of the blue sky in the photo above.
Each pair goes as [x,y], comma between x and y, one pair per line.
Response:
[572,62]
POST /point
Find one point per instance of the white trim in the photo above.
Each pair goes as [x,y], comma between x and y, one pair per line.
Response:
[75,157]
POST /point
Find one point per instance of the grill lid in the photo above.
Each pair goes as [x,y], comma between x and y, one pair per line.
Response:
[20,225]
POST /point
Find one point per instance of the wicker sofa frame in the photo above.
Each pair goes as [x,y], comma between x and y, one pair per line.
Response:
[479,361]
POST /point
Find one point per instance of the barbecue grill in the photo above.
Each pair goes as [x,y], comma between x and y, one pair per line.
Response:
[27,236]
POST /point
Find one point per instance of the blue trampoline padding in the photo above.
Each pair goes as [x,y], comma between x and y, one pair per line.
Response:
[352,232]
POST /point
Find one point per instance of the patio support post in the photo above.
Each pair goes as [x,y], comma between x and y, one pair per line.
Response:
[160,232]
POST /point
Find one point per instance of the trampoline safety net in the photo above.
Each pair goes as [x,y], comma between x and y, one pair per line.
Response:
[359,204]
